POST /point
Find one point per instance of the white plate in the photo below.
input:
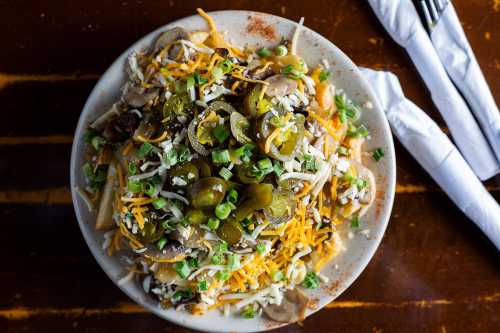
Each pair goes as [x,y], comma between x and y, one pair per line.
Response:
[245,27]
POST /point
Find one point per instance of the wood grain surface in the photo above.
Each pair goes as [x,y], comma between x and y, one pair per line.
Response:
[434,271]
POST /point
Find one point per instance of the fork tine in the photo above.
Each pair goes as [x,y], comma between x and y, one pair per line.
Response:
[427,15]
[433,11]
[438,5]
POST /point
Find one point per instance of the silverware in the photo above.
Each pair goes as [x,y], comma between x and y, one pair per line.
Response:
[449,40]
[430,11]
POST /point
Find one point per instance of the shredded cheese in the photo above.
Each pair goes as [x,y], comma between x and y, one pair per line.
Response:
[270,139]
[325,124]
[158,139]
[295,38]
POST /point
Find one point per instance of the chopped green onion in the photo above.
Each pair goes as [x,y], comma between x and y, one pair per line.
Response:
[95,179]
[183,154]
[225,173]
[359,132]
[169,225]
[355,222]
[217,259]
[255,172]
[291,72]
[223,210]
[278,169]
[233,262]
[199,79]
[144,150]
[217,73]
[202,286]
[221,133]
[343,151]
[248,312]
[134,186]
[149,188]
[324,75]
[281,50]
[159,203]
[278,276]
[263,52]
[226,65]
[221,156]
[213,223]
[232,196]
[342,116]
[244,152]
[261,248]
[222,275]
[182,269]
[97,142]
[182,295]
[87,137]
[161,243]
[132,169]
[190,82]
[310,162]
[265,165]
[378,154]
[311,281]
[193,263]
[87,170]
[171,157]
[221,247]
[361,183]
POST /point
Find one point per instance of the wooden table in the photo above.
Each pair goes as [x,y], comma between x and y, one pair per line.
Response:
[434,271]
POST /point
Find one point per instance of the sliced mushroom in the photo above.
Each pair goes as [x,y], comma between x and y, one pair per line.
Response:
[168,37]
[193,241]
[173,250]
[371,189]
[280,86]
[259,73]
[136,96]
[104,218]
[291,309]
[222,51]
[165,273]
[103,119]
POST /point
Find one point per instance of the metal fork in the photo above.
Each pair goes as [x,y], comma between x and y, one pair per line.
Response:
[430,11]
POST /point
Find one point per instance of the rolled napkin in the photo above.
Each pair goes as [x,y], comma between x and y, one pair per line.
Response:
[401,20]
[432,149]
[459,61]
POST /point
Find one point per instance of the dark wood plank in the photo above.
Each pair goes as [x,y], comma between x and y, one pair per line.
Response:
[43,108]
[35,166]
[470,316]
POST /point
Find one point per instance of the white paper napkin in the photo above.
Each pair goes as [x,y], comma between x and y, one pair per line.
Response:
[459,61]
[401,20]
[436,154]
